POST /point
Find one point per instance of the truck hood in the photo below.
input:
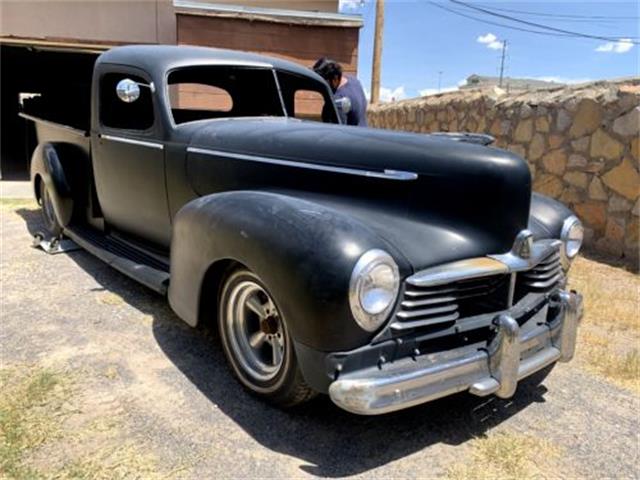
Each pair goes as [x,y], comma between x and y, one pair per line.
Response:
[454,200]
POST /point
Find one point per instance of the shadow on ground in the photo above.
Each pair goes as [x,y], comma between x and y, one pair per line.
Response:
[328,441]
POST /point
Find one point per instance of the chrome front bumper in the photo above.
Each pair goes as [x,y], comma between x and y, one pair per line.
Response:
[514,354]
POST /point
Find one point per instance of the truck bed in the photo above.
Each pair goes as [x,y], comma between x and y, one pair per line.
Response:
[50,131]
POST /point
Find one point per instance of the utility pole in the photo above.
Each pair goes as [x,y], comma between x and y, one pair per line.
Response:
[504,49]
[377,52]
[439,80]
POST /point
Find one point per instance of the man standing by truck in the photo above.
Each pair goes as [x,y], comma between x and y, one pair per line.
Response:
[344,86]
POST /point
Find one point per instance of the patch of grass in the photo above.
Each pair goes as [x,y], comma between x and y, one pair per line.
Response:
[610,332]
[122,462]
[15,203]
[110,298]
[46,431]
[508,456]
[611,294]
[600,356]
[29,403]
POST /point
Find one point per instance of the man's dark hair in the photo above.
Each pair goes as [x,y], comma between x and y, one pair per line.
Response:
[327,69]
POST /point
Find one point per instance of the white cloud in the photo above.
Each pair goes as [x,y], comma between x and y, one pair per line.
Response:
[434,91]
[388,94]
[621,46]
[490,40]
[350,5]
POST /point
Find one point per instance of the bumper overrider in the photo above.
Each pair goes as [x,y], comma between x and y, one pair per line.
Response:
[514,353]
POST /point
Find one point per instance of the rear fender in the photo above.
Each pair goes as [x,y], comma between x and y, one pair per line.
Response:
[303,252]
[47,167]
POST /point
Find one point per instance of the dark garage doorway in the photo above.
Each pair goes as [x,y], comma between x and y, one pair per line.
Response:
[65,74]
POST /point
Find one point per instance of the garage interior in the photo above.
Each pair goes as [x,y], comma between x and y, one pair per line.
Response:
[29,72]
[53,47]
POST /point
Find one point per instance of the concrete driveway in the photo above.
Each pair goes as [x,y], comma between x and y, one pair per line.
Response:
[138,394]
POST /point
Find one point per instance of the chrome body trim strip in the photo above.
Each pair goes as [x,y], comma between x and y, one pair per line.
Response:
[386,174]
[132,141]
[455,271]
[483,266]
[539,251]
[513,355]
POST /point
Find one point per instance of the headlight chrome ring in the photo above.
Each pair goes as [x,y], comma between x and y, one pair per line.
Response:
[373,288]
[572,235]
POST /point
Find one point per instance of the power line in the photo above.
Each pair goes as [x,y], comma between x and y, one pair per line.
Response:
[503,25]
[567,16]
[539,25]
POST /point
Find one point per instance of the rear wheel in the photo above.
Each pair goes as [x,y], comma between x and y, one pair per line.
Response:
[256,341]
[48,212]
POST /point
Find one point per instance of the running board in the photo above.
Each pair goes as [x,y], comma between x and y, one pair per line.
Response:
[126,259]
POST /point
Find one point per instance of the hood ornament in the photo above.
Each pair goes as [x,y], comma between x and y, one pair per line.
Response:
[523,245]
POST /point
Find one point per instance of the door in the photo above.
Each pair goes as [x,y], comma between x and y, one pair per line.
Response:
[129,163]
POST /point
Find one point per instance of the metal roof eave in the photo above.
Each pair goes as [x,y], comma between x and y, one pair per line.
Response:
[274,15]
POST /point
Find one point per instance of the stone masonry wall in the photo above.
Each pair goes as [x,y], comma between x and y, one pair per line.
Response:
[581,144]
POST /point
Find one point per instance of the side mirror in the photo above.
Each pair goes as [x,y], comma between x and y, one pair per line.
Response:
[127,90]
[343,104]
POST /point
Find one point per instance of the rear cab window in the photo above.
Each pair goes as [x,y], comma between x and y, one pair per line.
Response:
[210,92]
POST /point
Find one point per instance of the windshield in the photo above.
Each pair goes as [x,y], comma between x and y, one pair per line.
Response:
[206,92]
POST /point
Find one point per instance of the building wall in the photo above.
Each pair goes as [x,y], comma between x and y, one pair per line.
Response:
[581,144]
[299,43]
[309,5]
[115,21]
[111,22]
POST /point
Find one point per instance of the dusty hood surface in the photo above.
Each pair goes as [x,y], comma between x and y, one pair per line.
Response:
[463,199]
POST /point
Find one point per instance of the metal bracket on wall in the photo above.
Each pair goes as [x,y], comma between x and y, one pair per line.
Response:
[54,245]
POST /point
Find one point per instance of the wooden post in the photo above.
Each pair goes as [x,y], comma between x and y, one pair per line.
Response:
[377,52]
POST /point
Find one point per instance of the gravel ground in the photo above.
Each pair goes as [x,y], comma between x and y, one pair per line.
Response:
[151,394]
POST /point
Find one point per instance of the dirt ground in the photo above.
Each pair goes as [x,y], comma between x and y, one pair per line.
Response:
[99,379]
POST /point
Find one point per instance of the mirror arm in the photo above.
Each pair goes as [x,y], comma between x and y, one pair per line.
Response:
[151,86]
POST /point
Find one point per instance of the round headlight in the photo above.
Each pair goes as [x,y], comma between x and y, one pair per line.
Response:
[571,236]
[373,288]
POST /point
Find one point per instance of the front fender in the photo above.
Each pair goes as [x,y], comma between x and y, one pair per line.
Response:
[46,165]
[547,216]
[304,252]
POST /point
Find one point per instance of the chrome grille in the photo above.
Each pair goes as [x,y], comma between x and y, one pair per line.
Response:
[434,306]
[544,276]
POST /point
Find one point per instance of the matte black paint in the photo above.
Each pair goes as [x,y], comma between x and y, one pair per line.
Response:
[300,230]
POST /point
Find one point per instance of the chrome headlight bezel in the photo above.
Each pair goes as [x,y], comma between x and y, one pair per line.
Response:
[572,236]
[373,263]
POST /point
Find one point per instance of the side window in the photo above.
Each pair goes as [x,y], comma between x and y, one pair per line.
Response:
[306,98]
[114,113]
[308,105]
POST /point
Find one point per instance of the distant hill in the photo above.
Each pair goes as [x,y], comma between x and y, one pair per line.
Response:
[508,83]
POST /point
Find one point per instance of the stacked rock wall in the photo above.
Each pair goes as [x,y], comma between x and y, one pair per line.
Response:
[581,144]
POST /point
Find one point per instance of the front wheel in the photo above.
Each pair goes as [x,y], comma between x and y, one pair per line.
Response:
[48,212]
[256,341]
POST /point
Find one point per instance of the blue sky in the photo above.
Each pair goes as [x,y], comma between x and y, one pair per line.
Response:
[421,40]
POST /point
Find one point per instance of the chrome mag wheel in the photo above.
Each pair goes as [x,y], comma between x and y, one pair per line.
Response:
[255,331]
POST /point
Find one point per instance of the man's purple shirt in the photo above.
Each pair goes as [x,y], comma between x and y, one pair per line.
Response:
[354,92]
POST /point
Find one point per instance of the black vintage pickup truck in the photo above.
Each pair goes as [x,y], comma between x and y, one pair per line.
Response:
[386,269]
